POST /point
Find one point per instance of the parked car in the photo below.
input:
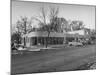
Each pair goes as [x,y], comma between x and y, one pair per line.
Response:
[75,43]
[84,42]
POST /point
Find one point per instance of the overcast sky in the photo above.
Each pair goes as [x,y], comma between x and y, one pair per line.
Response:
[69,12]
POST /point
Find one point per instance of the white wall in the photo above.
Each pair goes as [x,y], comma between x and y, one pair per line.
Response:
[80,32]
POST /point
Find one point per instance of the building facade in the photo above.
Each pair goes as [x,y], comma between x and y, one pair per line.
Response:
[41,38]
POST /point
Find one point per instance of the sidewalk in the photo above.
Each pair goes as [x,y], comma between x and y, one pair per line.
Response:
[37,48]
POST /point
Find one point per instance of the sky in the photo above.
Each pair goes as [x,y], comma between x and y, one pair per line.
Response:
[67,11]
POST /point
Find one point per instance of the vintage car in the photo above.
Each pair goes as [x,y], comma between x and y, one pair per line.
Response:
[74,43]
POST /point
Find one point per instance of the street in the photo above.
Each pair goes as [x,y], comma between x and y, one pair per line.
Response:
[62,59]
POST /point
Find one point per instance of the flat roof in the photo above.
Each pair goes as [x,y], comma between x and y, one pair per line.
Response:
[44,34]
[52,34]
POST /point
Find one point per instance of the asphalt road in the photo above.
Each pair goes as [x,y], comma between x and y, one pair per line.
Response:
[62,59]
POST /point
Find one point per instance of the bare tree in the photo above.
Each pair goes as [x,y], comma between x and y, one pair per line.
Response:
[23,26]
[44,16]
[53,13]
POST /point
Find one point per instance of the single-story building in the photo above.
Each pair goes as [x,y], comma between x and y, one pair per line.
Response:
[36,38]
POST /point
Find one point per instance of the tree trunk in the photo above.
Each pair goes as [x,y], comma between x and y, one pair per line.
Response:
[25,34]
[47,39]
[24,42]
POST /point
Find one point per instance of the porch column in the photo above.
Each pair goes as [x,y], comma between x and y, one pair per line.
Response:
[64,41]
[37,40]
[29,41]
